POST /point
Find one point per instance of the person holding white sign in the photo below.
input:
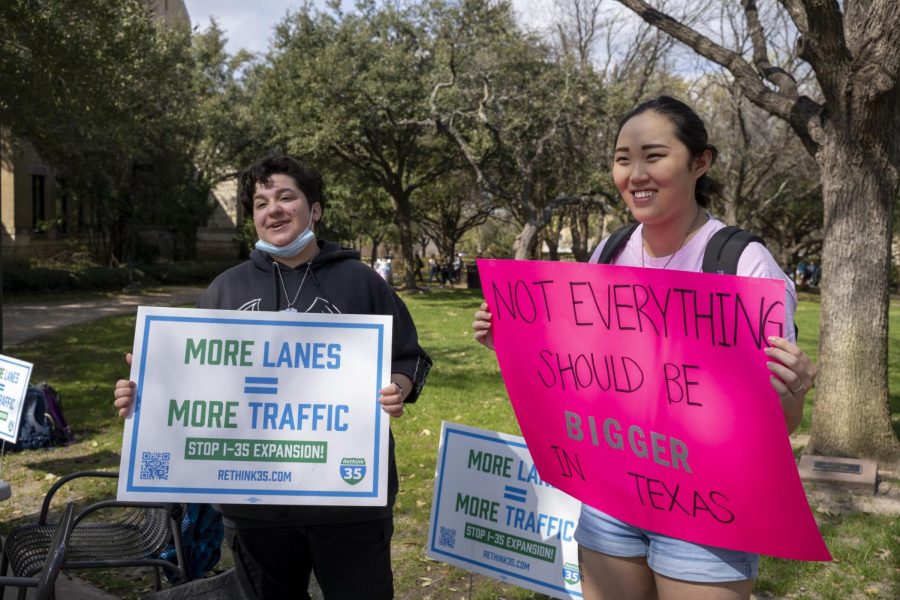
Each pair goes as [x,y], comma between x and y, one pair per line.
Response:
[276,547]
[661,161]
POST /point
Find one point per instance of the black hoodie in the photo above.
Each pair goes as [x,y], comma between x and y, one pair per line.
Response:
[335,281]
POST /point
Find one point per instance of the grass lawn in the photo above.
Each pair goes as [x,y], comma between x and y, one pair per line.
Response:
[82,362]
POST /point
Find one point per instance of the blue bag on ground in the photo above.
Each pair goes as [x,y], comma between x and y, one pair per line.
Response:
[202,532]
[43,423]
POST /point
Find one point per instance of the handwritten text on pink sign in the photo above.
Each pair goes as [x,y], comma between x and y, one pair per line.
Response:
[645,393]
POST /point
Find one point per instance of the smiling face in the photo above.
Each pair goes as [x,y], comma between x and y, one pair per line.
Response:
[281,211]
[655,172]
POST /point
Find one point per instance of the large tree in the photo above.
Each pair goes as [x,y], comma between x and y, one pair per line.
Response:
[351,90]
[523,117]
[450,208]
[851,131]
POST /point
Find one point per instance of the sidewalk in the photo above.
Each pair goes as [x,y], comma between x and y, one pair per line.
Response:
[30,319]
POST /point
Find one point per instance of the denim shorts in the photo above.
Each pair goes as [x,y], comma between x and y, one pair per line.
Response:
[665,555]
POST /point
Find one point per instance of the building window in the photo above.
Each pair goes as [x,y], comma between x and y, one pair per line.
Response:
[38,213]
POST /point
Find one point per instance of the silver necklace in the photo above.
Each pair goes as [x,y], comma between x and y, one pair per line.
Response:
[290,306]
[677,248]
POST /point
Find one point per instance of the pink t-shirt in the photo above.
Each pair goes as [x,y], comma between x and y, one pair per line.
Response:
[755,261]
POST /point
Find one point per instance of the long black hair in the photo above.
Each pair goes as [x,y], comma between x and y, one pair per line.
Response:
[690,131]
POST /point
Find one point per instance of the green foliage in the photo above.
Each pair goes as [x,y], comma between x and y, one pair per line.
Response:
[184,272]
[232,135]
[349,92]
[451,207]
[24,278]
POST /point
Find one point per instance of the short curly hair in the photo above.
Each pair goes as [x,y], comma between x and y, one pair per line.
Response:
[309,180]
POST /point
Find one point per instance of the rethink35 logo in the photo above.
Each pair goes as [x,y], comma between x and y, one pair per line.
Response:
[353,470]
[571,574]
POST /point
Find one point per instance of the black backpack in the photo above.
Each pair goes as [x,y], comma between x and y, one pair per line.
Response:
[723,251]
[43,423]
[721,255]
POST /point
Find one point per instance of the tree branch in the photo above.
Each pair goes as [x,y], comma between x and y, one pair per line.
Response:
[799,111]
[798,14]
[781,78]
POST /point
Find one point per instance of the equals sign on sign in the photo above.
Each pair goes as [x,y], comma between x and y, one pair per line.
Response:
[261,385]
[515,494]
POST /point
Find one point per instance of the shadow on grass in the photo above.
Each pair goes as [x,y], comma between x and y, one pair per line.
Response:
[99,461]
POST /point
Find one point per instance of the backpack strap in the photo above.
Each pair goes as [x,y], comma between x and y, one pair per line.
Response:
[615,243]
[725,248]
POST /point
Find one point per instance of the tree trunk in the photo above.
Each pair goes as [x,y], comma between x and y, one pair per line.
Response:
[526,242]
[852,415]
[552,241]
[376,242]
[403,220]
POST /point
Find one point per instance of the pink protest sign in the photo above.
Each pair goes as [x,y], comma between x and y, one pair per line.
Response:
[645,393]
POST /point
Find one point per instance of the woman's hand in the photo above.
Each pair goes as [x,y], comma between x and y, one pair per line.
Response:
[123,393]
[482,327]
[793,375]
[392,395]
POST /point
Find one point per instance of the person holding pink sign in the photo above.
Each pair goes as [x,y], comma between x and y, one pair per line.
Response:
[662,158]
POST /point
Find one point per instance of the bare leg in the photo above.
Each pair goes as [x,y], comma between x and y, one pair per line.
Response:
[605,577]
[675,589]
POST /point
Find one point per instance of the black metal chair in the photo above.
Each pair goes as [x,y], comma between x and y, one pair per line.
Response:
[105,535]
[45,582]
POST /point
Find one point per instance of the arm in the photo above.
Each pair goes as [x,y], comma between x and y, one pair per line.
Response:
[792,372]
[793,375]
[410,363]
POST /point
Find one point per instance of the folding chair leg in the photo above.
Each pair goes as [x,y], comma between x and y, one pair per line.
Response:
[158,578]
[4,565]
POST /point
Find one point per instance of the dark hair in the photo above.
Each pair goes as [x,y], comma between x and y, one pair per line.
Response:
[308,180]
[690,131]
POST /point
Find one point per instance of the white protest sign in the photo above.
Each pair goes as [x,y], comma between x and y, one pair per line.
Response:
[14,377]
[257,407]
[491,514]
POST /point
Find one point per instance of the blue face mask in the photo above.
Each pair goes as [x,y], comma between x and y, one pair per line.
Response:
[292,249]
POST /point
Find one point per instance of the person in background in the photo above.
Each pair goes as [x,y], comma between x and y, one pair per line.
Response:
[458,265]
[433,269]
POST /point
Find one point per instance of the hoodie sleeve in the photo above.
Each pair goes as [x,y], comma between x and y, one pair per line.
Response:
[408,357]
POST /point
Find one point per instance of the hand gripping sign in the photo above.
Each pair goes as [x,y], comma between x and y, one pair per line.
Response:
[645,393]
[249,407]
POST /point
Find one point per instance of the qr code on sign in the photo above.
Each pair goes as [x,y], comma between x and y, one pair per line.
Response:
[448,537]
[155,465]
